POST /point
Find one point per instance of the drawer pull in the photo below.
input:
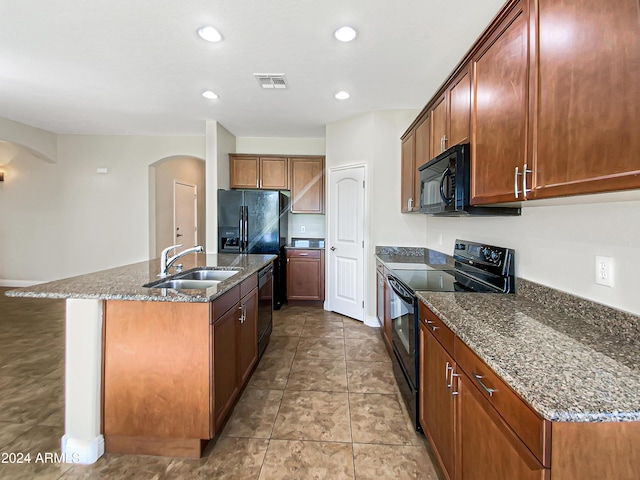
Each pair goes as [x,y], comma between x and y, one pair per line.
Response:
[478,379]
[448,369]
[433,326]
[303,254]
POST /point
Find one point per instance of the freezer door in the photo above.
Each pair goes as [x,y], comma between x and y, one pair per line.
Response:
[229,221]
[263,210]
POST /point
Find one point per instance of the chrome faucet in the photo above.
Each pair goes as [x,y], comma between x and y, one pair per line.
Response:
[166,261]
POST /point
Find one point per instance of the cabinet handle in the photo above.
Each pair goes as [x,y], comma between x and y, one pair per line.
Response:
[447,369]
[433,326]
[260,183]
[478,379]
[303,254]
[525,190]
[453,392]
[409,203]
[444,142]
[242,317]
[516,192]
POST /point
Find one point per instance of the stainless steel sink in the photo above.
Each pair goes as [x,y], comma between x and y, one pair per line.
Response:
[194,280]
[218,275]
[181,284]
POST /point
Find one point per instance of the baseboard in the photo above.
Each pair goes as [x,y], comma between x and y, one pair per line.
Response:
[82,451]
[18,283]
[371,321]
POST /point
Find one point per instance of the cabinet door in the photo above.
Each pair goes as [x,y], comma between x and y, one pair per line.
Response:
[274,173]
[438,127]
[487,447]
[499,113]
[307,185]
[588,90]
[303,278]
[243,172]
[423,152]
[247,337]
[438,402]
[408,173]
[224,363]
[459,109]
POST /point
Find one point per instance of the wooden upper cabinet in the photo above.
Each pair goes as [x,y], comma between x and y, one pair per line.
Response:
[274,173]
[588,97]
[306,179]
[459,100]
[244,171]
[408,173]
[439,127]
[499,112]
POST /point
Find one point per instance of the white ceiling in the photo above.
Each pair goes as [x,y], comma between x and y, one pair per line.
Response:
[137,67]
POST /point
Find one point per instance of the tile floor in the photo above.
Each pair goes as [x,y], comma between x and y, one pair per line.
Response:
[322,404]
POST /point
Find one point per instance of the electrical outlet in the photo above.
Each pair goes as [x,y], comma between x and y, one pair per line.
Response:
[303,229]
[604,271]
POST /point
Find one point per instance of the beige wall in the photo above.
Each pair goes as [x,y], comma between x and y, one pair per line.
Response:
[373,139]
[63,219]
[189,170]
[556,245]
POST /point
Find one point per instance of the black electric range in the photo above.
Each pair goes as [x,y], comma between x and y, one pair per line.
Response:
[479,268]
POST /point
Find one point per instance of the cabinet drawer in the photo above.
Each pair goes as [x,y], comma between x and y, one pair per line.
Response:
[223,303]
[248,284]
[532,429]
[437,327]
[295,253]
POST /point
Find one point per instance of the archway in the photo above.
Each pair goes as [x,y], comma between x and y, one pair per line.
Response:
[163,175]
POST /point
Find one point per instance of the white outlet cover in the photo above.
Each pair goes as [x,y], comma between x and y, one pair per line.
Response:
[604,271]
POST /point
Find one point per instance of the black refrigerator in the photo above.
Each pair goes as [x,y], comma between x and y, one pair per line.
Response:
[255,221]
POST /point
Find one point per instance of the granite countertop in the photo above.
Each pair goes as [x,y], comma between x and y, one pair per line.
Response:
[570,359]
[126,282]
[306,244]
[565,368]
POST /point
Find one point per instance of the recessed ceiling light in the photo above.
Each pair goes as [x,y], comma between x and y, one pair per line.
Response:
[342,95]
[209,34]
[209,95]
[345,34]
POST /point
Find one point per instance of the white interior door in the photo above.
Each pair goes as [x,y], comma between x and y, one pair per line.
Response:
[185,208]
[346,241]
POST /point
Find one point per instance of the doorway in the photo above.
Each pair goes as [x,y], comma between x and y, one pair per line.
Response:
[185,214]
[346,241]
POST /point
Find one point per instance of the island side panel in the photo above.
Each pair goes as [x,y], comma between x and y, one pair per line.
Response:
[83,441]
[595,450]
[157,377]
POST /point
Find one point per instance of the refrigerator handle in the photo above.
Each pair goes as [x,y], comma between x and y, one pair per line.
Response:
[246,229]
[240,228]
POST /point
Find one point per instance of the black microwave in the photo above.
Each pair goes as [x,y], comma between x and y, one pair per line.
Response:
[444,186]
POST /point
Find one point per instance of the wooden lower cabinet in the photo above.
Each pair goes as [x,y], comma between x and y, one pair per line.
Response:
[437,406]
[305,274]
[487,447]
[383,306]
[173,370]
[235,353]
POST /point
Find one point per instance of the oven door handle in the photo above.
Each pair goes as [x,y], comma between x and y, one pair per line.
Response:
[400,290]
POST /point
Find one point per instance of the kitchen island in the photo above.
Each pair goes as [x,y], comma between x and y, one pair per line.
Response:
[154,370]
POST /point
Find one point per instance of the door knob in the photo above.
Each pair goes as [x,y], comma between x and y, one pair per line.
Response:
[333,249]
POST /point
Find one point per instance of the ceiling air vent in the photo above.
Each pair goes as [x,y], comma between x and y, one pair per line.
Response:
[271,80]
